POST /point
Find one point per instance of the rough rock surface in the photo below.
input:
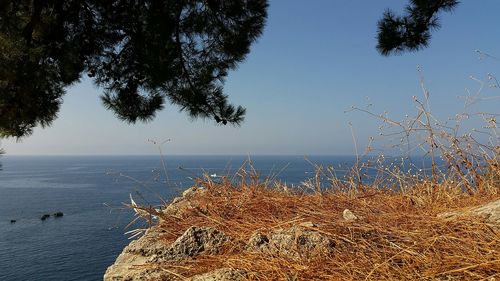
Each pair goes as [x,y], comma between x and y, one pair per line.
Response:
[489,212]
[293,242]
[138,260]
[131,263]
[194,241]
[181,203]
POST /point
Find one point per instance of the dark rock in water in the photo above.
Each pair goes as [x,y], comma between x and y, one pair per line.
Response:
[44,217]
[12,221]
[58,214]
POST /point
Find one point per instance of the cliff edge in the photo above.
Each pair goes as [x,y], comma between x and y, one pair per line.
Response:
[240,234]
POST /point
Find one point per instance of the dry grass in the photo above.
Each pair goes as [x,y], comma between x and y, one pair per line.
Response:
[397,237]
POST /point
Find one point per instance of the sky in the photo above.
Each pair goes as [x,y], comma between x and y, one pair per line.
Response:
[313,62]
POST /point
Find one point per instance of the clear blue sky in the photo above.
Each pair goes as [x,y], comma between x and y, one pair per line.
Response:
[314,60]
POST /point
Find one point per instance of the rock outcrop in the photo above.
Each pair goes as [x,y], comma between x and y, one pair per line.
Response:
[140,258]
[132,263]
[489,212]
[143,258]
[294,242]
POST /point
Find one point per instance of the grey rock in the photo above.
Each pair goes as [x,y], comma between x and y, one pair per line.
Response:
[130,264]
[190,191]
[180,204]
[194,241]
[139,259]
[489,212]
[294,242]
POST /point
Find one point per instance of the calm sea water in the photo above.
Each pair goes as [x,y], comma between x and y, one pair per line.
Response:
[90,191]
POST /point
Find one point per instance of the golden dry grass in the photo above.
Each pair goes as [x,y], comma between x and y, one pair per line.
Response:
[398,236]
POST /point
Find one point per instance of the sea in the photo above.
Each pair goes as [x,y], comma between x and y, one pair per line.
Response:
[91,192]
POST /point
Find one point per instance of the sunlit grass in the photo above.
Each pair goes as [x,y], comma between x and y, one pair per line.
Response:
[398,234]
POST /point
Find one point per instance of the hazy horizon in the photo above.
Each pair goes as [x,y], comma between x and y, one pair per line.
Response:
[312,63]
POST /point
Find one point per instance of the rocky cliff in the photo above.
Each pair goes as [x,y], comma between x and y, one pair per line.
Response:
[143,259]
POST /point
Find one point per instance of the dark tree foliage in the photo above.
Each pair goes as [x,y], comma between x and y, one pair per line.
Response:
[142,53]
[412,31]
